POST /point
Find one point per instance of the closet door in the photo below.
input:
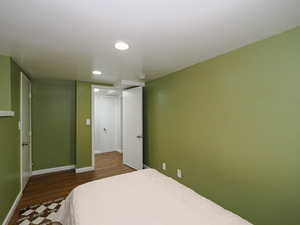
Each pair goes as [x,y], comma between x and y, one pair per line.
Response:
[133,127]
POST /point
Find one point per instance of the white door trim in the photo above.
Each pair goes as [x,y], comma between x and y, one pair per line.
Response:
[20,130]
[93,117]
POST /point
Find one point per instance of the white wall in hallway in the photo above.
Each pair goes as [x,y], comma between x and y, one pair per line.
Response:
[107,122]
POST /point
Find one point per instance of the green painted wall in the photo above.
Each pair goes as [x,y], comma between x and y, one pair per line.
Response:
[5,83]
[232,125]
[53,123]
[83,132]
[10,147]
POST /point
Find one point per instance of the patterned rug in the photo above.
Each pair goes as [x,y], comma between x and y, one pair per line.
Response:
[40,214]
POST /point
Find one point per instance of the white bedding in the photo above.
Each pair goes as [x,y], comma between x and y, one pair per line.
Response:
[144,197]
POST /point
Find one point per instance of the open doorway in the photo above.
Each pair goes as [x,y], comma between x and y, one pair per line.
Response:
[117,126]
[106,121]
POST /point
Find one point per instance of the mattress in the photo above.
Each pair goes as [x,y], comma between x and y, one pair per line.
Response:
[142,197]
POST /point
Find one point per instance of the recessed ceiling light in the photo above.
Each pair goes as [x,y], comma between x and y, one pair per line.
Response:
[121,45]
[96,89]
[97,72]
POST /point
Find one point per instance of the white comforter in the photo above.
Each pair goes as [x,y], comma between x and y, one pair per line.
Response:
[144,197]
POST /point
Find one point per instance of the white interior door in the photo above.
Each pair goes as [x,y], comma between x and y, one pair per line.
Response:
[25,130]
[133,127]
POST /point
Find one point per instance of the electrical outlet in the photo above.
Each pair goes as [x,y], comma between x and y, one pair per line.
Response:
[164,166]
[179,173]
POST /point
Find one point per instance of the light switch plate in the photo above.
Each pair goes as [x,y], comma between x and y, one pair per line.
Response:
[179,173]
[164,166]
[88,122]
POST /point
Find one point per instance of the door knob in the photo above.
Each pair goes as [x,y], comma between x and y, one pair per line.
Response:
[25,144]
[139,136]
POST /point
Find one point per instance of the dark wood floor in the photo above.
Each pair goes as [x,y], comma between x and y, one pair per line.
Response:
[47,187]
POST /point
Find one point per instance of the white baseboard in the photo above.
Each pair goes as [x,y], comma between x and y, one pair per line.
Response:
[146,167]
[12,209]
[97,152]
[85,169]
[51,170]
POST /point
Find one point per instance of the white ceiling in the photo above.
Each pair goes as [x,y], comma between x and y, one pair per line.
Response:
[67,39]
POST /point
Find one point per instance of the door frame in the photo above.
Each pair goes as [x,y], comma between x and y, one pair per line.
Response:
[20,129]
[93,117]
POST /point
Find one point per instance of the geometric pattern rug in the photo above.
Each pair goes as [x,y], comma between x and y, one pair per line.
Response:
[40,214]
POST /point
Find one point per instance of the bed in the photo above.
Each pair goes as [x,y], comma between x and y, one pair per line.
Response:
[142,197]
